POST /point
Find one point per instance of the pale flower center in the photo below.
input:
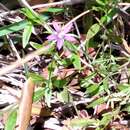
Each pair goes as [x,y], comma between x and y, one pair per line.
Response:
[60,35]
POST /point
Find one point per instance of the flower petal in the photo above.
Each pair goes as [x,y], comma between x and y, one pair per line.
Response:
[60,43]
[56,26]
[70,38]
[52,37]
[68,28]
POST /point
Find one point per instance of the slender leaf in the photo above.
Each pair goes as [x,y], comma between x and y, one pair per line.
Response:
[36,18]
[11,121]
[92,89]
[36,45]
[37,78]
[55,10]
[48,95]
[65,96]
[101,2]
[38,94]
[71,46]
[105,121]
[13,27]
[59,83]
[94,29]
[26,34]
[76,61]
[96,102]
[82,122]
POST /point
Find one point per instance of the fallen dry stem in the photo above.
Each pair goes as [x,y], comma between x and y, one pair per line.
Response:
[19,63]
[126,47]
[25,105]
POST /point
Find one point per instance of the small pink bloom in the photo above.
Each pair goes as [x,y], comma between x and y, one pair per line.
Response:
[60,34]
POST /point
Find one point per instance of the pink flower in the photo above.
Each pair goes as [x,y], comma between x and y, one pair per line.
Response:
[60,34]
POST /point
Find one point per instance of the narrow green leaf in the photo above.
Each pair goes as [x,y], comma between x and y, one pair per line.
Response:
[96,102]
[36,18]
[66,62]
[101,2]
[87,80]
[59,83]
[26,34]
[36,45]
[48,95]
[37,78]
[48,87]
[76,61]
[98,8]
[82,122]
[105,121]
[70,46]
[11,121]
[107,18]
[92,89]
[89,77]
[54,10]
[13,27]
[38,94]
[94,29]
[65,96]
[123,86]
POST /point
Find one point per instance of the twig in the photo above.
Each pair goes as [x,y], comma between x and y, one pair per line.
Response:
[64,2]
[124,4]
[73,20]
[126,47]
[18,63]
[87,65]
[77,17]
[13,48]
[50,4]
[11,80]
[8,12]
